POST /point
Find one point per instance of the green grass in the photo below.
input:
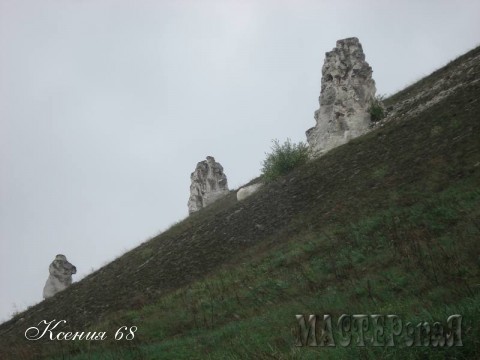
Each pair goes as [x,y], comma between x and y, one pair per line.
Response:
[249,309]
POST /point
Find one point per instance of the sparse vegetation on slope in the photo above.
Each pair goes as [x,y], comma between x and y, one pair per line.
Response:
[377,109]
[406,260]
[388,223]
[283,159]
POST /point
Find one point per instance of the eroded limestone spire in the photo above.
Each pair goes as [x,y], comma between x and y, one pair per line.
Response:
[347,91]
[209,183]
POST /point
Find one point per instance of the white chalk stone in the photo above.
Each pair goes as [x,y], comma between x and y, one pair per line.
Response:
[246,191]
[346,94]
[208,184]
[60,276]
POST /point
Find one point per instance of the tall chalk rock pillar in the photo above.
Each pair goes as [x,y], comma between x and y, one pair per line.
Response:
[209,183]
[346,94]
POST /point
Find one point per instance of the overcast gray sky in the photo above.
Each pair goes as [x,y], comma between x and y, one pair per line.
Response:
[107,106]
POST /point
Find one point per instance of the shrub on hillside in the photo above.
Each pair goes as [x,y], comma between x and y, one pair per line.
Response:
[377,109]
[283,158]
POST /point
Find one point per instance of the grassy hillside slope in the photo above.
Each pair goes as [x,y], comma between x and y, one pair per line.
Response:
[388,223]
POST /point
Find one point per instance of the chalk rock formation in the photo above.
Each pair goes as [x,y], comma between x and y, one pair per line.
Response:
[346,93]
[60,276]
[246,191]
[209,183]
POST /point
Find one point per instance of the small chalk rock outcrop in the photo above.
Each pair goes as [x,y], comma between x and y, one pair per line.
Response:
[246,191]
[347,91]
[60,276]
[209,183]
